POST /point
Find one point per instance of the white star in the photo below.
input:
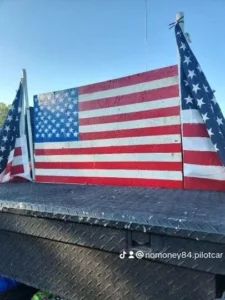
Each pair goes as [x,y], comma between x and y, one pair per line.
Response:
[68,134]
[43,135]
[19,109]
[61,100]
[45,121]
[191,73]
[7,128]
[200,102]
[75,134]
[186,82]
[57,115]
[75,123]
[12,107]
[187,60]
[9,118]
[62,120]
[205,117]
[62,110]
[2,148]
[196,88]
[49,107]
[70,106]
[189,99]
[37,135]
[66,94]
[49,135]
[57,125]
[53,121]
[219,121]
[71,130]
[1,158]
[67,124]
[215,146]
[70,119]
[57,135]
[206,88]
[57,107]
[75,101]
[49,126]
[214,100]
[183,46]
[199,68]
[53,130]
[45,113]
[5,139]
[210,132]
[73,92]
[62,130]
[57,95]
[46,130]
[75,113]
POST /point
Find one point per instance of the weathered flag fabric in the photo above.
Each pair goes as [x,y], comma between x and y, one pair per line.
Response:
[203,125]
[14,162]
[125,131]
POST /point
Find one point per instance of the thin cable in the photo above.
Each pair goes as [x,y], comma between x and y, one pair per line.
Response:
[146,32]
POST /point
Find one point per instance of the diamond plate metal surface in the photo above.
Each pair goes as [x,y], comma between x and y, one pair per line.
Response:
[192,214]
[80,273]
[190,253]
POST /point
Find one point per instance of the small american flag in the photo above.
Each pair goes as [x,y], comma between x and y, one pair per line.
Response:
[14,161]
[125,131]
[203,125]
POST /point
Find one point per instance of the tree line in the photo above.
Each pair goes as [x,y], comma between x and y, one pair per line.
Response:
[3,112]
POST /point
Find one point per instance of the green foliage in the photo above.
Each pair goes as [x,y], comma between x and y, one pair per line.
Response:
[3,113]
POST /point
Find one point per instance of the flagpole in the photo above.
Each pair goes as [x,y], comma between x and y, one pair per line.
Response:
[180,15]
[27,110]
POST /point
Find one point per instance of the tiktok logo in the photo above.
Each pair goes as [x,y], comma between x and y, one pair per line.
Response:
[123,254]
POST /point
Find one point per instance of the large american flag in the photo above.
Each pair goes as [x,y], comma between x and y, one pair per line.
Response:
[124,131]
[203,124]
[14,162]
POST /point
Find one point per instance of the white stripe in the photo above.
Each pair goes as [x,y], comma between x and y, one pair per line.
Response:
[150,140]
[174,175]
[136,88]
[165,157]
[189,116]
[198,144]
[152,122]
[136,107]
[209,172]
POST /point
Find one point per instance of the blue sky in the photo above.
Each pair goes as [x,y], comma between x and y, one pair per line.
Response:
[68,43]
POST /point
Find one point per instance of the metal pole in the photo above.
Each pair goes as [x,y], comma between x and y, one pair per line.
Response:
[178,16]
[30,138]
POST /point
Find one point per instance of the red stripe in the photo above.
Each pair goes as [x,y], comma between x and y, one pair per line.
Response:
[150,95]
[154,113]
[203,184]
[18,151]
[163,148]
[202,158]
[164,166]
[148,131]
[17,170]
[8,168]
[129,80]
[112,181]
[195,130]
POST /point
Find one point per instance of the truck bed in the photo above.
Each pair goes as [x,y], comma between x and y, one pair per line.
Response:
[67,239]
